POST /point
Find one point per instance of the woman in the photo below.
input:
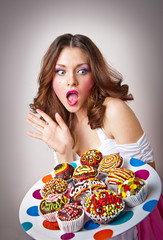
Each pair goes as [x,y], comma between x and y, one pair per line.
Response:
[81,101]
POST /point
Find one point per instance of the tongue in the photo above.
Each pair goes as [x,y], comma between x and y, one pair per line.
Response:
[72,97]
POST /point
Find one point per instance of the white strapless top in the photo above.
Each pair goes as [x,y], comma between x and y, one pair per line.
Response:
[140,150]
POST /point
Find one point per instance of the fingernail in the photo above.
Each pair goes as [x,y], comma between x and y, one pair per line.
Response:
[39,110]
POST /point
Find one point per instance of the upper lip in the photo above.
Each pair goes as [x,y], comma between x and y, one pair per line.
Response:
[72,91]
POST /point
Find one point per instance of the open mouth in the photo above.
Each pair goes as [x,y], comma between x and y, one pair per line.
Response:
[72,97]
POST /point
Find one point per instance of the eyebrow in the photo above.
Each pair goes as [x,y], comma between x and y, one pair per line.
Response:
[62,65]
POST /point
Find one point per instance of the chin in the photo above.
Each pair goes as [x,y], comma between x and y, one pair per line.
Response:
[75,108]
[72,109]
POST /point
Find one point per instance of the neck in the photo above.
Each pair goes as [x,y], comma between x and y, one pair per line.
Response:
[81,115]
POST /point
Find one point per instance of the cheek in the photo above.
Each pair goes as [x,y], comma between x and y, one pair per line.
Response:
[57,87]
[88,85]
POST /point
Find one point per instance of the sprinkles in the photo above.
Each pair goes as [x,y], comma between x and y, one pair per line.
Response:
[103,206]
[91,158]
[69,212]
[130,187]
[56,185]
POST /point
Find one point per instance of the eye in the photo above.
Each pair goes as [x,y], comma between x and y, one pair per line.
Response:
[83,71]
[60,72]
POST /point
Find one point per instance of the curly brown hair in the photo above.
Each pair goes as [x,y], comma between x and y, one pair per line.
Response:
[107,81]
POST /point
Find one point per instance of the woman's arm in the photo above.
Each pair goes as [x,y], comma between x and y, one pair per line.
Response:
[55,134]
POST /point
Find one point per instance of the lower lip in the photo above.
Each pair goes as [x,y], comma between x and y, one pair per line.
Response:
[72,104]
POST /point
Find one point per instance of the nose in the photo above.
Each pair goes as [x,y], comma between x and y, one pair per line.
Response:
[72,80]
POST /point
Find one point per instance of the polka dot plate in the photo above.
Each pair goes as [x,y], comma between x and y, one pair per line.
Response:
[38,228]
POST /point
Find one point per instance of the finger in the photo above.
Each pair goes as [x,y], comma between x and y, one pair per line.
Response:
[34,125]
[36,119]
[45,116]
[60,121]
[34,135]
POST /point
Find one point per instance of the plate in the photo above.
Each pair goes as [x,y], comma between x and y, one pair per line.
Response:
[38,228]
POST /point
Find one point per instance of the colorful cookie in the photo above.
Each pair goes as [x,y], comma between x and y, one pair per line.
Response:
[91,158]
[110,162]
[103,206]
[64,170]
[56,185]
[49,206]
[84,172]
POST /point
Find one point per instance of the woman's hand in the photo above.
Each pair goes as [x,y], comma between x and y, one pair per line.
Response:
[55,134]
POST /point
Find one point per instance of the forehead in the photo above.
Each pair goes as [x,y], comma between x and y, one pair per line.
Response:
[72,56]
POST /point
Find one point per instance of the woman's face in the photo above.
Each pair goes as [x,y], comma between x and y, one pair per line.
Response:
[73,78]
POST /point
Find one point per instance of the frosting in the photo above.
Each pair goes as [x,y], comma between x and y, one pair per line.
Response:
[56,185]
[64,170]
[91,158]
[86,186]
[110,162]
[130,187]
[84,172]
[69,212]
[52,203]
[119,175]
[104,204]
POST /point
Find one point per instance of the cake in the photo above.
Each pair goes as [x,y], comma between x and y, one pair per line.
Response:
[117,176]
[133,191]
[84,172]
[56,185]
[110,162]
[103,206]
[64,171]
[91,158]
[70,218]
[49,206]
[81,190]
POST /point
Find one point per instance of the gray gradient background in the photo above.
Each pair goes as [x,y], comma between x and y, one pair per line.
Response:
[130,36]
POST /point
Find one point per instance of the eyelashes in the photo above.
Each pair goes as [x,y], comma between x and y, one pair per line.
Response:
[60,71]
[80,71]
[83,71]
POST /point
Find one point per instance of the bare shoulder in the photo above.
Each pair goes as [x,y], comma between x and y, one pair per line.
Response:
[121,122]
[115,106]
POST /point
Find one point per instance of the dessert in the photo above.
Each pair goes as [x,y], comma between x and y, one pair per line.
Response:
[56,185]
[110,162]
[81,190]
[133,191]
[117,176]
[91,158]
[70,218]
[84,172]
[64,171]
[49,206]
[103,206]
